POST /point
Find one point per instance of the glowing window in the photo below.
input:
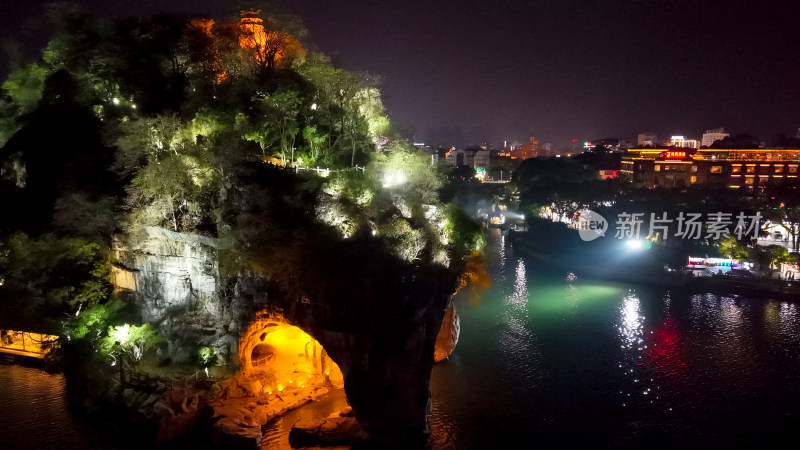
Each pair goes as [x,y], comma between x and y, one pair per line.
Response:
[716,169]
[736,169]
[749,180]
[751,169]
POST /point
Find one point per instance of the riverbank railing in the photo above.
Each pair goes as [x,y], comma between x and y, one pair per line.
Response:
[322,171]
[26,343]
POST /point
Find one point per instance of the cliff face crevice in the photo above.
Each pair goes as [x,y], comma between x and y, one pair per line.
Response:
[379,325]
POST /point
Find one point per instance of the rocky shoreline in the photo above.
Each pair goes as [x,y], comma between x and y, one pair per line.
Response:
[201,410]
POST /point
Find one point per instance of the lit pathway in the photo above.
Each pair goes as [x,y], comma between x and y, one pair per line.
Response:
[24,343]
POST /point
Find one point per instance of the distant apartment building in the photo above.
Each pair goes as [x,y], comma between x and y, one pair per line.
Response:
[527,150]
[711,136]
[438,154]
[612,144]
[734,168]
[480,160]
[546,149]
[647,139]
[681,142]
[475,157]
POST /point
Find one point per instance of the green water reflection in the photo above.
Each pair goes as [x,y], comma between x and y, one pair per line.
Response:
[552,361]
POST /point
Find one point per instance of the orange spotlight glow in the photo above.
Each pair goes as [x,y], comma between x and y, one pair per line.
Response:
[275,353]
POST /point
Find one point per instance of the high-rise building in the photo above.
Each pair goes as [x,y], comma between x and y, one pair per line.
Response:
[711,136]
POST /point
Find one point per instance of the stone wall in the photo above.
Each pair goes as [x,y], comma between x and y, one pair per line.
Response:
[173,278]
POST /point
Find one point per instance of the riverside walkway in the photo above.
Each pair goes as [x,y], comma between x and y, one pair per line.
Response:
[25,343]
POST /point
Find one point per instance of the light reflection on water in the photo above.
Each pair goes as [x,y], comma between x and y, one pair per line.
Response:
[634,348]
[34,414]
[276,434]
[782,320]
[501,251]
[519,298]
[548,363]
[517,342]
[631,322]
[592,364]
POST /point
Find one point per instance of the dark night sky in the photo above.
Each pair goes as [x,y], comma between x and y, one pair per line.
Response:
[556,70]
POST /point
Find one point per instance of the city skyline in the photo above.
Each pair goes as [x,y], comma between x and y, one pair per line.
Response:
[575,70]
[583,230]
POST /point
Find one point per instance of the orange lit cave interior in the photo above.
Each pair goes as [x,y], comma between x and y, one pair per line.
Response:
[278,359]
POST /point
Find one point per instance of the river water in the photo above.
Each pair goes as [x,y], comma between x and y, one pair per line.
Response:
[34,414]
[547,362]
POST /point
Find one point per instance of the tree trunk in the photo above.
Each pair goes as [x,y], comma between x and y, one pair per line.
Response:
[292,144]
[353,155]
[174,219]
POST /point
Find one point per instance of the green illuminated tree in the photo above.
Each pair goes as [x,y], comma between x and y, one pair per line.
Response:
[277,123]
[405,241]
[207,357]
[144,140]
[175,178]
[733,249]
[419,181]
[92,322]
[778,255]
[350,107]
[781,205]
[163,193]
[314,140]
[463,234]
[129,342]
[25,86]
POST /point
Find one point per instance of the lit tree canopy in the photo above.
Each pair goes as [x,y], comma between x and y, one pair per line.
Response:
[125,124]
[267,42]
[781,204]
[129,341]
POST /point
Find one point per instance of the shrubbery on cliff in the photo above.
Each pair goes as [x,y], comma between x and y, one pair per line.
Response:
[206,126]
